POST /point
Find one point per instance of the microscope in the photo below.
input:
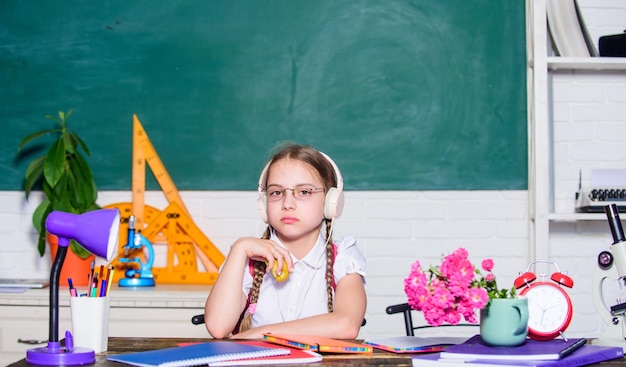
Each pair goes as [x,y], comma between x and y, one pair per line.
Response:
[610,279]
[141,277]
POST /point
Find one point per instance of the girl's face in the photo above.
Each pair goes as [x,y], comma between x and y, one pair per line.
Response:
[295,219]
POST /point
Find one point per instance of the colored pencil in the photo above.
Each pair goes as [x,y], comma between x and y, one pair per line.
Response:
[110,279]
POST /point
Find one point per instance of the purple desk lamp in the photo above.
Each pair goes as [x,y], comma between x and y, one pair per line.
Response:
[97,231]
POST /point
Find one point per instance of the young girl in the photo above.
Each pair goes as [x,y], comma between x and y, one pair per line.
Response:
[300,194]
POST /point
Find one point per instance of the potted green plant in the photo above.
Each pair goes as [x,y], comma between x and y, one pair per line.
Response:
[65,176]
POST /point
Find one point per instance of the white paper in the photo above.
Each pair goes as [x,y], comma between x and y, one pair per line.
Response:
[608,178]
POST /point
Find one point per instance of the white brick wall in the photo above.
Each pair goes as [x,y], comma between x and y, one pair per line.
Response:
[603,17]
[395,228]
[589,126]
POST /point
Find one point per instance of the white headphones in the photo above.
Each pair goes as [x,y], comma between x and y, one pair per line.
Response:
[333,204]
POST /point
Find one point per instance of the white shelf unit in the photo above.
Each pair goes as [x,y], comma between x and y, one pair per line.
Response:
[541,180]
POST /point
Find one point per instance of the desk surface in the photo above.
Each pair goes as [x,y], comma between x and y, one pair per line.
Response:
[378,358]
[128,345]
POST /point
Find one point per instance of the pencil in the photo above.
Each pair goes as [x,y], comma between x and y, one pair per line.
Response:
[110,279]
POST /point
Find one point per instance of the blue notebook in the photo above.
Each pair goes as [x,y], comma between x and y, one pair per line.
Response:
[197,354]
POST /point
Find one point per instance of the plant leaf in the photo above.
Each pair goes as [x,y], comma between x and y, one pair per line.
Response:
[54,164]
[70,144]
[34,136]
[78,142]
[33,174]
[62,192]
[68,182]
[85,187]
[55,119]
[39,222]
[79,250]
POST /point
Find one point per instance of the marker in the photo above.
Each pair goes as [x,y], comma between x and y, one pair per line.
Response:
[73,291]
[103,288]
[90,276]
[94,286]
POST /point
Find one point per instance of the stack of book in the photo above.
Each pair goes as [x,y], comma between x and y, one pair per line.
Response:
[551,353]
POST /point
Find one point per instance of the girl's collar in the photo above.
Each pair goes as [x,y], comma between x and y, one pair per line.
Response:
[313,257]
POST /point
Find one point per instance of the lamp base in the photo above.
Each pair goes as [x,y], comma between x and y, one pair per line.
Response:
[55,355]
[136,282]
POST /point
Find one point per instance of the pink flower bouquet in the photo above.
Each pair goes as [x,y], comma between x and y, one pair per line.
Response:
[452,291]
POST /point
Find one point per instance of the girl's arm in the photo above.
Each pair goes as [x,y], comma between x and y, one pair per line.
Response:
[226,300]
[343,323]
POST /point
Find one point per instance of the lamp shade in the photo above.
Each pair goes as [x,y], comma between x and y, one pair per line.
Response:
[97,231]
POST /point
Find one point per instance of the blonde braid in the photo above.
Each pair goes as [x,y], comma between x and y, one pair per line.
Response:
[259,273]
[330,262]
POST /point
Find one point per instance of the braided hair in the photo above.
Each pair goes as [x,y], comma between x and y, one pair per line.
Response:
[324,168]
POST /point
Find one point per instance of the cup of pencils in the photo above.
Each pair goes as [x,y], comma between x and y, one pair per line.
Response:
[90,310]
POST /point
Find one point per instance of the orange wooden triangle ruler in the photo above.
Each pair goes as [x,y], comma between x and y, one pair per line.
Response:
[185,241]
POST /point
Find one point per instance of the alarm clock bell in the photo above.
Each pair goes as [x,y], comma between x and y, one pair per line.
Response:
[609,281]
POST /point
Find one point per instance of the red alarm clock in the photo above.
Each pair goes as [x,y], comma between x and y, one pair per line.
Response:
[549,306]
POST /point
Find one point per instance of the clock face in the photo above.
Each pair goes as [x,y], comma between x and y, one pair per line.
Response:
[549,309]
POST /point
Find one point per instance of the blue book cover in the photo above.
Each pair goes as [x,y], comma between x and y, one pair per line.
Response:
[587,354]
[475,348]
[196,354]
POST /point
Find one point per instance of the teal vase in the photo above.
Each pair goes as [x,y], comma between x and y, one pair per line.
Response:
[504,323]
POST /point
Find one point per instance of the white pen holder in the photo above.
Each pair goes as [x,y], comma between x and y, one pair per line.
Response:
[90,322]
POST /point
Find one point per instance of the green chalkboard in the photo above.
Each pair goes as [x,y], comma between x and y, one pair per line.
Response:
[404,95]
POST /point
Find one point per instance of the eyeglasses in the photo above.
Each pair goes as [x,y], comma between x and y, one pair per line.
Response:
[300,192]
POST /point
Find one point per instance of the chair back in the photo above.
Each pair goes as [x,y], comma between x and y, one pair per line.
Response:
[409,326]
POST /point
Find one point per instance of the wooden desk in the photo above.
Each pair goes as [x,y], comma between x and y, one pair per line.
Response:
[378,358]
[128,345]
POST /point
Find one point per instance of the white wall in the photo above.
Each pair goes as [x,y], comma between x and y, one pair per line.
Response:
[396,227]
[393,229]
